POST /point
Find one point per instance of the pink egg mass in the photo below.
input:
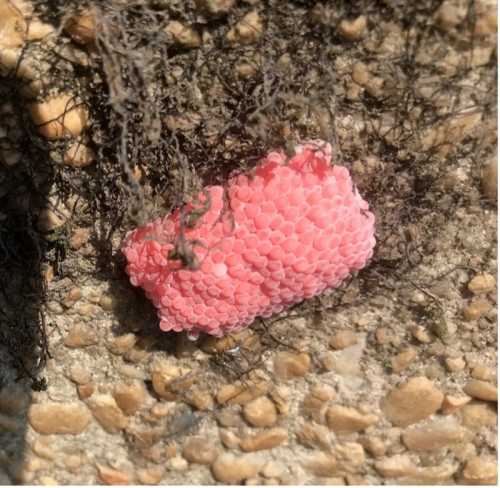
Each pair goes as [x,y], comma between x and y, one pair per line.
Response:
[286,232]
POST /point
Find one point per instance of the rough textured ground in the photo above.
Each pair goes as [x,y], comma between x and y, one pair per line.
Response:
[390,379]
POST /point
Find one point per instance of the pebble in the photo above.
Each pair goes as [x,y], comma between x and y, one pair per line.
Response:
[41,447]
[350,457]
[489,180]
[130,397]
[12,26]
[420,333]
[481,390]
[289,365]
[199,450]
[273,469]
[455,364]
[411,402]
[264,440]
[485,373]
[321,464]
[59,418]
[59,117]
[82,27]
[105,410]
[437,434]
[343,339]
[480,471]
[450,14]
[110,476]
[183,35]
[314,435]
[215,7]
[345,420]
[476,415]
[403,359]
[78,374]
[248,30]
[81,335]
[229,438]
[260,412]
[79,155]
[230,469]
[122,344]
[200,399]
[164,375]
[482,283]
[85,391]
[353,30]
[79,238]
[240,393]
[280,395]
[374,445]
[150,476]
[229,417]
[177,463]
[396,466]
[476,309]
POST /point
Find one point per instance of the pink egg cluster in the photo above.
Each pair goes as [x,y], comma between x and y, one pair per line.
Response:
[285,232]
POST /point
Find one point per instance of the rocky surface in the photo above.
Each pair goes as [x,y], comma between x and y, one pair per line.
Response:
[389,380]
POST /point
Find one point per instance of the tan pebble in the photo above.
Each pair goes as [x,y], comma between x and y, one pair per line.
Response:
[450,14]
[48,481]
[248,30]
[105,410]
[396,466]
[183,34]
[215,7]
[164,376]
[480,471]
[229,418]
[476,309]
[239,393]
[260,412]
[313,435]
[265,440]
[230,469]
[177,463]
[315,408]
[360,74]
[199,450]
[130,397]
[343,420]
[273,469]
[110,476]
[481,390]
[489,180]
[485,373]
[421,334]
[437,434]
[229,438]
[79,238]
[289,365]
[350,456]
[73,462]
[122,344]
[85,391]
[482,283]
[12,26]
[321,464]
[59,117]
[452,403]
[78,374]
[455,364]
[343,339]
[280,395]
[79,155]
[82,27]
[323,392]
[72,297]
[255,481]
[476,415]
[374,445]
[81,335]
[41,447]
[403,359]
[353,30]
[87,310]
[431,475]
[160,410]
[170,450]
[200,399]
[150,476]
[246,70]
[59,418]
[411,402]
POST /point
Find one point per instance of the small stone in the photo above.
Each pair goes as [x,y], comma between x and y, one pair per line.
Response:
[130,397]
[450,14]
[167,379]
[82,27]
[411,402]
[248,30]
[489,180]
[59,418]
[215,7]
[59,117]
[79,155]
[485,373]
[264,440]
[229,418]
[322,464]
[78,374]
[183,35]
[480,471]
[229,438]
[374,445]
[476,415]
[273,469]
[241,393]
[360,74]
[177,463]
[403,359]
[200,399]
[79,238]
[72,297]
[353,30]
[343,339]
[260,412]
[107,413]
[85,391]
[230,469]
[12,26]
[313,435]
[421,334]
[350,457]
[455,364]
[481,390]
[289,365]
[476,309]
[122,344]
[110,476]
[81,335]
[482,283]
[41,447]
[344,420]
[48,481]
[199,450]
[280,395]
[396,466]
[150,476]
[73,462]
[434,435]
